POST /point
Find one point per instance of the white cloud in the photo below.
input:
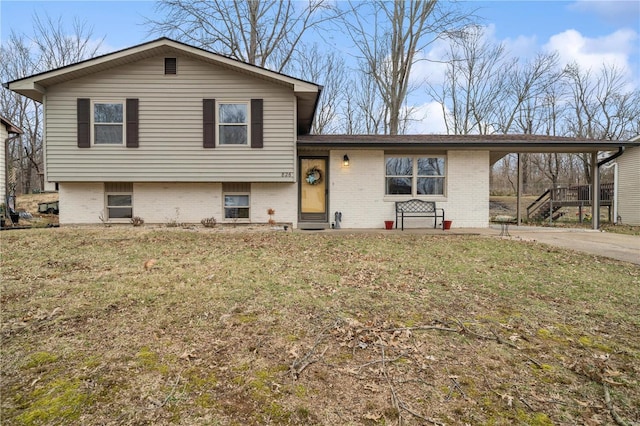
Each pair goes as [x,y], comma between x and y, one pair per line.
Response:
[429,119]
[430,67]
[616,12]
[522,46]
[592,53]
[432,64]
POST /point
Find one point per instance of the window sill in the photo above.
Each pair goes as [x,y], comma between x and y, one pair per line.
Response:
[394,198]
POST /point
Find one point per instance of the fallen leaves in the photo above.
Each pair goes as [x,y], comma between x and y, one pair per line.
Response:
[149,264]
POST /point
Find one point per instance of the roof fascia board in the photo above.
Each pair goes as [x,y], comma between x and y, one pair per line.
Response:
[11,128]
[28,83]
[85,64]
[500,146]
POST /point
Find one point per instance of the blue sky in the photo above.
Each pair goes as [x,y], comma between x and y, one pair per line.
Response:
[534,21]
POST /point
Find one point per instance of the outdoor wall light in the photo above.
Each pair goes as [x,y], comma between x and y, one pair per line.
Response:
[345,160]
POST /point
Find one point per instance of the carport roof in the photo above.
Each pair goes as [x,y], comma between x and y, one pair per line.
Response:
[498,144]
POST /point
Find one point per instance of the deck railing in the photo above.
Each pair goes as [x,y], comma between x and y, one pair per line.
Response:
[581,193]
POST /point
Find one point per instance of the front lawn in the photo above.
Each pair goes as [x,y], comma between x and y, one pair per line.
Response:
[172,326]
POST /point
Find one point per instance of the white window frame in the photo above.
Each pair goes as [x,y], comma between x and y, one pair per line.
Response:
[225,207]
[414,177]
[123,123]
[246,124]
[107,207]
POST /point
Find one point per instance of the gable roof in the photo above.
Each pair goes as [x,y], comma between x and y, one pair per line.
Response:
[35,86]
[11,128]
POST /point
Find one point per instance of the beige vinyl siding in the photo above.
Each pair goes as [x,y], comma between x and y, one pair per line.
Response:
[629,186]
[170,127]
[3,184]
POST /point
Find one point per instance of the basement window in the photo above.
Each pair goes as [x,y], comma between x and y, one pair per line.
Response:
[170,66]
[237,201]
[119,200]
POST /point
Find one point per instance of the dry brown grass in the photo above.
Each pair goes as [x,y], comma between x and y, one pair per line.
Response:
[292,328]
[29,202]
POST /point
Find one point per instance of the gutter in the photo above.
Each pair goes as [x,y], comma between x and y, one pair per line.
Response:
[612,157]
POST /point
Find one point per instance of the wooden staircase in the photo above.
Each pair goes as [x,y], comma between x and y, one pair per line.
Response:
[543,207]
[547,206]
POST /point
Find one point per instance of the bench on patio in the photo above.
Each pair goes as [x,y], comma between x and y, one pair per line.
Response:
[418,208]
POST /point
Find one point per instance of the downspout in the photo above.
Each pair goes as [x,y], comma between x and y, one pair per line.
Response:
[615,193]
[596,186]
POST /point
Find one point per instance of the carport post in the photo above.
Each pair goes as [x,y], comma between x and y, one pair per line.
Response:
[518,190]
[595,191]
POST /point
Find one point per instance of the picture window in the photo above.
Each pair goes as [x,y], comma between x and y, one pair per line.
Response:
[415,176]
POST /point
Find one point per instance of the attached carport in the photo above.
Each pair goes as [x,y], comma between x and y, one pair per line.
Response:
[533,144]
[497,145]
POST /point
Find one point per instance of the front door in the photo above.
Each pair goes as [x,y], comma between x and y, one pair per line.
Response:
[313,189]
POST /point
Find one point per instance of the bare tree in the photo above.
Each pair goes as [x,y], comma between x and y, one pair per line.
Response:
[266,33]
[25,153]
[389,37]
[475,86]
[328,69]
[364,112]
[58,47]
[527,85]
[51,46]
[601,106]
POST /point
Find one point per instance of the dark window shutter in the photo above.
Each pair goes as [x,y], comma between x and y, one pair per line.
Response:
[209,123]
[256,123]
[132,123]
[84,122]
[170,66]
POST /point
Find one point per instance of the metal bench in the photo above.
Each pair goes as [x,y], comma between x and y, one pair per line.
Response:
[418,208]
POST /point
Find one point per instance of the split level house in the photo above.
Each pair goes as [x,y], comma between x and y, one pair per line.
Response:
[170,132]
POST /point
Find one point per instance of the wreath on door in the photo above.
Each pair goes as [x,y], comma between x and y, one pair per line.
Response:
[314,176]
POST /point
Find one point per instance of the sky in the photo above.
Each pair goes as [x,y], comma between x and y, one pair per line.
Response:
[589,32]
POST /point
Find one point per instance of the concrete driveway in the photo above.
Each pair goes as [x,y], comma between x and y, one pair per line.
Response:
[608,244]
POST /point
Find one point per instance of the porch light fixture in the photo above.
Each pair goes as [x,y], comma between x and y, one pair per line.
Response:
[345,160]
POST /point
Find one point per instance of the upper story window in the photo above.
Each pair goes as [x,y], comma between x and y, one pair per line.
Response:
[233,123]
[415,175]
[108,123]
